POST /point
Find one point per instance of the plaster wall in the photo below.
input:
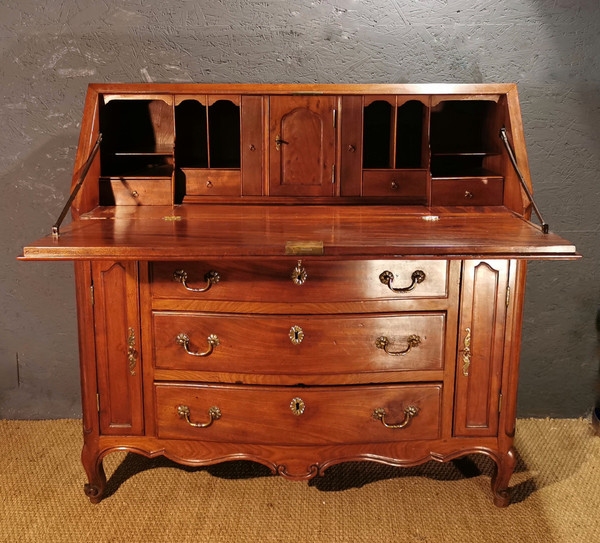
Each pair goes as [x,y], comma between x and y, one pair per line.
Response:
[51,50]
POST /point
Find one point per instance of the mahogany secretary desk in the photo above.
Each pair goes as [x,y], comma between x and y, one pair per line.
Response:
[300,275]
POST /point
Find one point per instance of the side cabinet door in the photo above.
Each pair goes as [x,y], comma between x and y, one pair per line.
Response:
[480,347]
[302,146]
[117,327]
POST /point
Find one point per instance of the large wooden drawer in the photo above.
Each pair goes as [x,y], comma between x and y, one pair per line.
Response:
[299,344]
[290,416]
[324,280]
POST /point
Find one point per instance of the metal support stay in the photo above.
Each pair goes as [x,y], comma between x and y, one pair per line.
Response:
[511,155]
[82,175]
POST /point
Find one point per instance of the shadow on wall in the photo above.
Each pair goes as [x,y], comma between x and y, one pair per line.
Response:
[38,328]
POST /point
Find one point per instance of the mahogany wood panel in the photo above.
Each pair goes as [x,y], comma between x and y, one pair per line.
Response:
[135,192]
[324,344]
[252,145]
[212,182]
[472,191]
[264,231]
[326,280]
[331,415]
[409,185]
[116,311]
[303,163]
[479,362]
[351,118]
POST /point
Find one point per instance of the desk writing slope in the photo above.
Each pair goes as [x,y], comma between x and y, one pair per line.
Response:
[301,275]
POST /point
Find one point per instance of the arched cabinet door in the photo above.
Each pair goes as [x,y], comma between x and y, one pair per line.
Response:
[302,146]
[480,347]
[118,357]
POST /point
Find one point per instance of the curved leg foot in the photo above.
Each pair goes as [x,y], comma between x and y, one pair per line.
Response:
[504,470]
[92,464]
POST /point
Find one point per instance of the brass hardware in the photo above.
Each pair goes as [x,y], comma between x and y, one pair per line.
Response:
[394,185]
[466,352]
[98,402]
[131,352]
[211,278]
[297,406]
[507,296]
[513,160]
[296,335]
[383,342]
[214,413]
[172,218]
[387,277]
[334,117]
[468,194]
[351,148]
[84,171]
[410,412]
[184,340]
[299,275]
[304,248]
[333,173]
[430,218]
[135,193]
[279,141]
[209,184]
[500,403]
[92,294]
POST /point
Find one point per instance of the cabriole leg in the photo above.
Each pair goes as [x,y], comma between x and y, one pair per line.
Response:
[505,467]
[92,463]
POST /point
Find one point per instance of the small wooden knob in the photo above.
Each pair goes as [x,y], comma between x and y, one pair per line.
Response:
[209,184]
[394,185]
[468,194]
[135,193]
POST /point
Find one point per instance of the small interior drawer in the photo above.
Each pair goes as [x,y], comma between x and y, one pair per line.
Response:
[467,191]
[299,344]
[313,280]
[407,184]
[123,191]
[293,415]
[212,182]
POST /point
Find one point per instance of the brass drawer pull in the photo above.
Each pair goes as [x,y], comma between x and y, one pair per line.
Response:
[410,412]
[299,275]
[211,278]
[383,343]
[214,413]
[184,340]
[387,277]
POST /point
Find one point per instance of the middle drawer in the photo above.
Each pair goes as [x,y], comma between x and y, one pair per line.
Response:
[301,344]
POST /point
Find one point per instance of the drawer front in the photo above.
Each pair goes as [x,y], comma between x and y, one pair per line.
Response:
[310,281]
[135,191]
[299,344]
[467,192]
[396,183]
[277,415]
[212,182]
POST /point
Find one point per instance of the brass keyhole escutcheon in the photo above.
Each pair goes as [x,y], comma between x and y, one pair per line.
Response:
[297,406]
[299,275]
[296,335]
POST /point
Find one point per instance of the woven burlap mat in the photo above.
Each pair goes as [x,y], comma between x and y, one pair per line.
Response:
[556,495]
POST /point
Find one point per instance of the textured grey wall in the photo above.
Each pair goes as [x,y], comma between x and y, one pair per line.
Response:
[52,49]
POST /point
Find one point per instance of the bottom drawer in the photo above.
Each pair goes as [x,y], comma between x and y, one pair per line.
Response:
[298,415]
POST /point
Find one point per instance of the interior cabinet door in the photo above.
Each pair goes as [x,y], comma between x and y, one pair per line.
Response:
[480,347]
[117,327]
[302,146]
